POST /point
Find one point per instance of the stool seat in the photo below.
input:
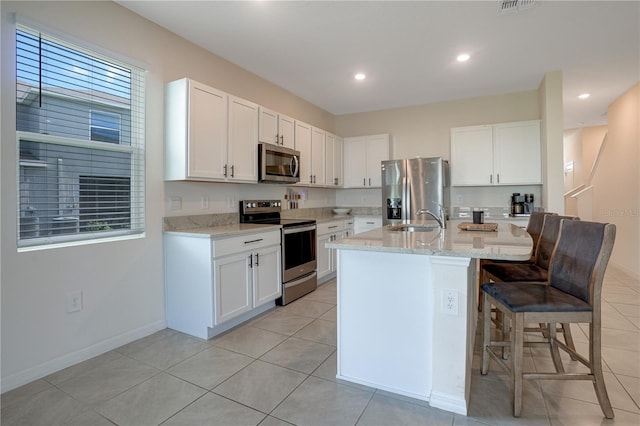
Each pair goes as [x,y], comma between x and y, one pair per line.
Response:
[534,297]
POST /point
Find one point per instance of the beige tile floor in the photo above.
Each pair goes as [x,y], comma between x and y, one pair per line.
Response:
[280,368]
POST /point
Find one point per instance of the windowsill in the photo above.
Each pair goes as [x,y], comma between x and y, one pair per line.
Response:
[64,244]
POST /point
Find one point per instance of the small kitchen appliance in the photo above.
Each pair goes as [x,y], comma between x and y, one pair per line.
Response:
[298,241]
[521,205]
[278,164]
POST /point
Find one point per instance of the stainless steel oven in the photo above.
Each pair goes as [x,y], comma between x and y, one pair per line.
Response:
[298,241]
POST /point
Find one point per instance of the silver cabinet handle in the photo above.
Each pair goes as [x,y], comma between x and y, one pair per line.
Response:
[277,139]
[225,170]
[498,177]
[281,140]
[369,181]
[364,181]
[251,260]
[490,178]
[257,259]
[232,167]
[254,241]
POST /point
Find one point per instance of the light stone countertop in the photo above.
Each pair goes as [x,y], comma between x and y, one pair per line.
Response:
[509,242]
[223,231]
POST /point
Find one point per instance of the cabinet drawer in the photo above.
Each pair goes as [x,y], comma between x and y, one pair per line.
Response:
[330,227]
[225,246]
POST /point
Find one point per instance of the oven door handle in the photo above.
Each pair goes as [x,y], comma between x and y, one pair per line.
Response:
[295,230]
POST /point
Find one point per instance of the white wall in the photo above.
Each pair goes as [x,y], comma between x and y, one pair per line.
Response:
[124,302]
[616,183]
[550,93]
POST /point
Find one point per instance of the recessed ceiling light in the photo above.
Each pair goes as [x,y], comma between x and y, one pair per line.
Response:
[360,76]
[584,96]
[463,57]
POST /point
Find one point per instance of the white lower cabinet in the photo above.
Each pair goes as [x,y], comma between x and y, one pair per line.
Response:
[215,284]
[366,223]
[326,258]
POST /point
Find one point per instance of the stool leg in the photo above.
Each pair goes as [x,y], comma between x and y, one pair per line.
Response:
[517,350]
[568,338]
[505,332]
[486,333]
[553,347]
[595,357]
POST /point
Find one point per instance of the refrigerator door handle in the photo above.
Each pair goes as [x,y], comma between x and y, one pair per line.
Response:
[406,208]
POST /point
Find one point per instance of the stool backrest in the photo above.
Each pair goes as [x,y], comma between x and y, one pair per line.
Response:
[534,227]
[548,239]
[580,258]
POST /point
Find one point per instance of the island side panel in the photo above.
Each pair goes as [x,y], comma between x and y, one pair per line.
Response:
[454,331]
[385,323]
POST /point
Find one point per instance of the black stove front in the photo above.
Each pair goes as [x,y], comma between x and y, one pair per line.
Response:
[298,241]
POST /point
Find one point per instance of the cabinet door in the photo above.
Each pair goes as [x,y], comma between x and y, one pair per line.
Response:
[318,156]
[377,152]
[517,153]
[472,156]
[286,130]
[338,155]
[243,137]
[323,256]
[207,135]
[303,144]
[355,170]
[267,283]
[268,123]
[233,286]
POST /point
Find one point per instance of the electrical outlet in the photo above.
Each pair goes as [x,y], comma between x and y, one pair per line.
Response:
[175,203]
[450,301]
[459,199]
[204,202]
[74,301]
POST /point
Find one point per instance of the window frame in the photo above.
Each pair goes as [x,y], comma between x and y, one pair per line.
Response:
[92,126]
[135,149]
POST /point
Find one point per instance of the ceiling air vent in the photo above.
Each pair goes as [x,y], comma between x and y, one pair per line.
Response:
[512,6]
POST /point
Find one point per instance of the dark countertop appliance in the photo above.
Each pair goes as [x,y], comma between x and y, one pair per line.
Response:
[521,204]
[298,241]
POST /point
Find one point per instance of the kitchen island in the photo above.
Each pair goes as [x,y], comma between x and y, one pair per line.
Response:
[407,307]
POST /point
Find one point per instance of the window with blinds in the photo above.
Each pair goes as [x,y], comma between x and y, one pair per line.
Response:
[80,130]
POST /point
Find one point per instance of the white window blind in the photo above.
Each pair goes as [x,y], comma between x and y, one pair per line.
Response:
[80,123]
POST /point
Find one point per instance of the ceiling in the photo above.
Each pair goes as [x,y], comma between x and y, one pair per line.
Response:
[408,49]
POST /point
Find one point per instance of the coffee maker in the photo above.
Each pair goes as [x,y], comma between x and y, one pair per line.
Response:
[521,205]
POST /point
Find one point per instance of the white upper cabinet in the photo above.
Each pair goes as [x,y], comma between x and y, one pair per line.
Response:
[277,129]
[517,153]
[318,156]
[498,154]
[242,157]
[196,131]
[303,144]
[209,135]
[363,156]
[333,158]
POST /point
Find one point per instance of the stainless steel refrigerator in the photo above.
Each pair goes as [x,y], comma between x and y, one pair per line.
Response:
[412,185]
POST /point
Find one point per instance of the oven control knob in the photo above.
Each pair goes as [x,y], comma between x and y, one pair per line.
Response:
[277,204]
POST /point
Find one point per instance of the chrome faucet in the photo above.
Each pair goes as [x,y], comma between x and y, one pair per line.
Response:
[440,219]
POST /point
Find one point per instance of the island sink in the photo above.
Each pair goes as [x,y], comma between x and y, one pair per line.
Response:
[413,227]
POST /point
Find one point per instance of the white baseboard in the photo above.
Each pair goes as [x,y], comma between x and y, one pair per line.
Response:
[448,403]
[39,371]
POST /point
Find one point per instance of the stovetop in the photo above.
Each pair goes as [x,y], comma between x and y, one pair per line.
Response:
[267,212]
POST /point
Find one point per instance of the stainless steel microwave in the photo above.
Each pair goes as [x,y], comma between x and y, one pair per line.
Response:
[278,164]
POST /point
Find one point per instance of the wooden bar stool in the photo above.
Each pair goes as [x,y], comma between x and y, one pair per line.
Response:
[571,294]
[536,271]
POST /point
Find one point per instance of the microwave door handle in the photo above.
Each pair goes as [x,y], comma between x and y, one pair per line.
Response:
[294,169]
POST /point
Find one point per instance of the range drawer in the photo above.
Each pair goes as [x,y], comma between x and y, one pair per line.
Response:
[226,246]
